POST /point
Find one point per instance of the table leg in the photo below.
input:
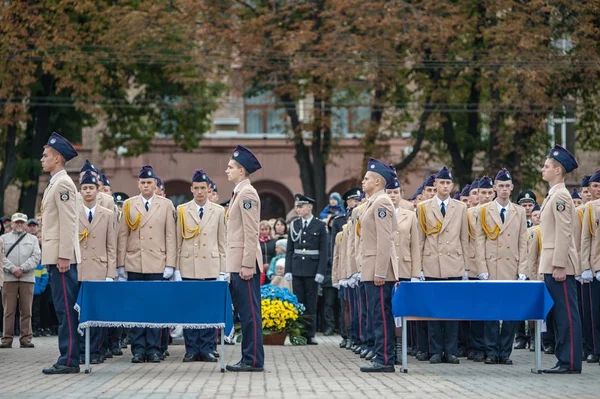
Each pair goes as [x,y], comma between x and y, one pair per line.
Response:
[222,349]
[88,369]
[538,347]
[404,367]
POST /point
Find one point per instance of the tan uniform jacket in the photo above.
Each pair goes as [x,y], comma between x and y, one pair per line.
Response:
[105,201]
[355,261]
[201,254]
[350,265]
[504,257]
[578,227]
[150,245]
[338,252]
[98,243]
[59,212]
[377,228]
[406,240]
[409,206]
[473,224]
[590,237]
[243,248]
[558,224]
[534,249]
[443,252]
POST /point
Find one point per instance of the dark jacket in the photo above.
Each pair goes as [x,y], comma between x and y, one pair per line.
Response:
[314,238]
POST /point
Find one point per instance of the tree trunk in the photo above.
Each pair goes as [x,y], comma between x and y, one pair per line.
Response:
[10,161]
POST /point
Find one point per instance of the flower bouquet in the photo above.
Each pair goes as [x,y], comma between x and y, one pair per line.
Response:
[282,315]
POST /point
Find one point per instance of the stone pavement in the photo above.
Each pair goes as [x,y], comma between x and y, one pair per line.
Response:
[290,372]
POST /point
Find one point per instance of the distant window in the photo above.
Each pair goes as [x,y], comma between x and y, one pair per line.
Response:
[350,113]
[561,129]
[263,116]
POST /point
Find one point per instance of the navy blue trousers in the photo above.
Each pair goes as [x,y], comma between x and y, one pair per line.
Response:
[443,335]
[307,291]
[499,343]
[245,296]
[65,289]
[590,298]
[366,319]
[384,329]
[354,320]
[567,323]
[200,341]
[145,341]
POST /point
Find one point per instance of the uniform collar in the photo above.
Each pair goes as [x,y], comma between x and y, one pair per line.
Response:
[55,176]
[555,187]
[445,202]
[237,186]
[87,210]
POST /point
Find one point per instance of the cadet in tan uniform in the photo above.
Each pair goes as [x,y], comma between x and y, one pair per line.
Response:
[146,251]
[201,236]
[244,257]
[444,239]
[501,254]
[474,194]
[97,242]
[559,262]
[379,264]
[103,199]
[61,249]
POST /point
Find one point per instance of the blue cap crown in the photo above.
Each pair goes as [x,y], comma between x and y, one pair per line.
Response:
[429,181]
[394,184]
[87,165]
[585,182]
[88,178]
[388,172]
[564,157]
[456,195]
[595,178]
[475,184]
[246,158]
[62,145]
[104,180]
[465,191]
[575,194]
[485,182]
[503,175]
[444,173]
[147,172]
[536,207]
[200,176]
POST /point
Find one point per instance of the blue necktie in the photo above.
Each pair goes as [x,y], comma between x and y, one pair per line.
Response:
[502,212]
[90,217]
[443,210]
[201,213]
[147,206]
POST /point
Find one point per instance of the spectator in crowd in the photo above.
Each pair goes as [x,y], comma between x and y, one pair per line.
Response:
[33,226]
[278,279]
[41,282]
[280,248]
[6,227]
[280,229]
[335,208]
[267,246]
[20,256]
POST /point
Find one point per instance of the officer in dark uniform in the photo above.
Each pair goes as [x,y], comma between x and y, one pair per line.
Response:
[306,259]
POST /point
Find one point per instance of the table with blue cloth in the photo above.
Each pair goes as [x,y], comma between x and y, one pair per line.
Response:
[472,300]
[155,304]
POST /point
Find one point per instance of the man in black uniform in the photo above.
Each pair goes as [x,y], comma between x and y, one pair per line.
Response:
[306,259]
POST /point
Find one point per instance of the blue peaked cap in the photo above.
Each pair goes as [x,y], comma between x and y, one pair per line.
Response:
[444,173]
[200,176]
[485,182]
[62,145]
[388,172]
[146,172]
[88,178]
[246,158]
[465,191]
[503,175]
[564,157]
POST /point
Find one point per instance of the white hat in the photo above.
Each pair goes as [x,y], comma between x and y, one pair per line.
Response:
[19,217]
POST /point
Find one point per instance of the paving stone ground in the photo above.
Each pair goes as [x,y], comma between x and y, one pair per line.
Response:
[323,371]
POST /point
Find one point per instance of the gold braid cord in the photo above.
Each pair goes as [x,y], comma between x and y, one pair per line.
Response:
[538,232]
[83,235]
[580,213]
[132,225]
[195,231]
[491,234]
[424,223]
[471,228]
[591,220]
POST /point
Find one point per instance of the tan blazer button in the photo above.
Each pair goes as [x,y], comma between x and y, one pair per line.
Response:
[508,234]
[150,226]
[195,256]
[150,250]
[440,254]
[150,238]
[196,244]
[141,238]
[204,257]
[93,247]
[85,247]
[448,253]
[507,259]
[499,257]
[84,258]
[508,246]
[142,249]
[203,245]
[94,236]
[499,245]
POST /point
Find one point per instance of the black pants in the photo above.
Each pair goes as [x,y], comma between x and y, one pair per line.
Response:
[443,335]
[380,313]
[199,341]
[65,289]
[330,303]
[567,322]
[499,343]
[590,311]
[145,341]
[307,290]
[366,317]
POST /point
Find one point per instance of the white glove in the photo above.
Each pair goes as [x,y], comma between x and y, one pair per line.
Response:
[580,280]
[109,279]
[336,286]
[222,276]
[422,276]
[465,276]
[356,276]
[415,279]
[121,278]
[168,273]
[522,277]
[177,275]
[483,276]
[121,272]
[287,276]
[598,276]
[319,278]
[587,275]
[343,283]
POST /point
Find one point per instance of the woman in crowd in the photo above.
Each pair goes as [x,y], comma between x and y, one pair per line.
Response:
[280,229]
[267,246]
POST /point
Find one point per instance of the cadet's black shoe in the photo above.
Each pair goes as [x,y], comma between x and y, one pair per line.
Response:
[108,355]
[413,352]
[206,357]
[592,359]
[162,356]
[311,341]
[349,344]
[95,360]
[216,354]
[505,360]
[138,359]
[471,355]
[377,368]
[81,359]
[479,358]
[241,367]
[560,370]
[60,369]
[452,360]
[189,357]
[328,332]
[370,356]
[358,350]
[343,343]
[549,351]
[364,353]
[521,345]
[167,353]
[422,356]
[116,352]
[435,359]
[154,358]
[491,360]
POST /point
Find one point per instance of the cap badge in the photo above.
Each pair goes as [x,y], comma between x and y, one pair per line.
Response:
[372,166]
[149,173]
[52,141]
[235,154]
[555,153]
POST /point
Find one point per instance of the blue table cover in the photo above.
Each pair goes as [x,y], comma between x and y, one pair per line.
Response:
[192,304]
[473,300]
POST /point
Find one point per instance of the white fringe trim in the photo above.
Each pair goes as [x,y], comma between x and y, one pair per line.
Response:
[125,324]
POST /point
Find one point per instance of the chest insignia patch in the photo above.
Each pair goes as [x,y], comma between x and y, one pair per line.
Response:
[247,204]
[381,212]
[560,206]
[64,196]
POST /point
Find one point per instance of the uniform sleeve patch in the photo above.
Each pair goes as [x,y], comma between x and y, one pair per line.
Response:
[64,196]
[247,204]
[560,206]
[381,212]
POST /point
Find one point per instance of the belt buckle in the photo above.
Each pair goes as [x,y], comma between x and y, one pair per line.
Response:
[303,250]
